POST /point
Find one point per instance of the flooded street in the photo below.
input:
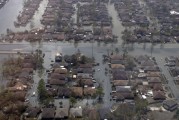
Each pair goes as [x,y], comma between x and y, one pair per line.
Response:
[10,11]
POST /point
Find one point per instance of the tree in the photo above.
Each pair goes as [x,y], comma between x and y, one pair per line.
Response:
[83,59]
[141,106]
[130,64]
[124,112]
[38,59]
[176,115]
[100,92]
[42,93]
[73,101]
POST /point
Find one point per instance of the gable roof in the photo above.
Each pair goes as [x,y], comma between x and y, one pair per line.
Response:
[76,112]
[56,82]
[32,112]
[60,70]
[158,87]
[119,75]
[57,76]
[77,91]
[88,82]
[61,113]
[62,91]
[120,82]
[48,113]
[116,57]
[89,91]
[154,80]
[159,95]
[148,63]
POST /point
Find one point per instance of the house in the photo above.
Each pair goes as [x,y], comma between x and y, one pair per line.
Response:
[32,112]
[76,112]
[120,82]
[85,70]
[60,70]
[151,69]
[103,113]
[116,57]
[159,95]
[61,113]
[117,66]
[119,75]
[158,87]
[170,105]
[122,93]
[92,113]
[56,82]
[153,74]
[52,91]
[64,92]
[86,82]
[25,75]
[77,91]
[84,75]
[154,80]
[58,76]
[141,58]
[18,87]
[89,91]
[148,63]
[48,113]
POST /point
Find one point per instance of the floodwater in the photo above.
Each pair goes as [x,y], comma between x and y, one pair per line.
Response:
[10,11]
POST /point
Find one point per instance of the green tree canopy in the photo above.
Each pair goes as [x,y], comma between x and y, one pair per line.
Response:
[42,93]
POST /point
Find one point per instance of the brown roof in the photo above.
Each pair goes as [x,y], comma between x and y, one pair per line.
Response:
[120,75]
[76,112]
[148,63]
[60,70]
[158,87]
[154,80]
[18,87]
[153,74]
[159,95]
[77,91]
[93,114]
[48,113]
[88,82]
[61,113]
[56,82]
[123,95]
[57,76]
[120,82]
[89,91]
[116,57]
[32,112]
[117,66]
[62,91]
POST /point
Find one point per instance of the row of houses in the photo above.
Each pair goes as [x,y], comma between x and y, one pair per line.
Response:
[18,84]
[27,13]
[65,81]
[130,13]
[146,77]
